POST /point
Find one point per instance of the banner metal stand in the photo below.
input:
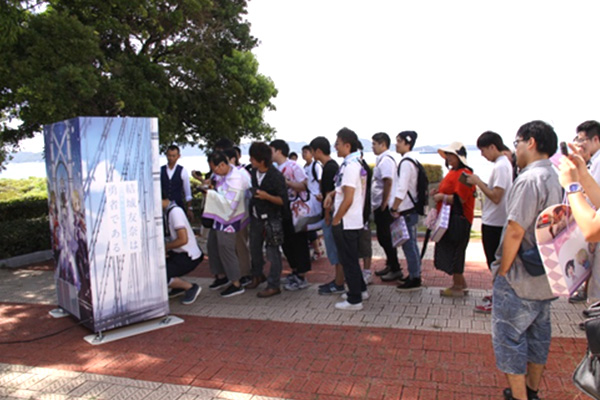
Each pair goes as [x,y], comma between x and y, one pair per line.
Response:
[132,330]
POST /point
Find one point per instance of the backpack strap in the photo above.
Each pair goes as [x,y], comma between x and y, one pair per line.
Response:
[416,165]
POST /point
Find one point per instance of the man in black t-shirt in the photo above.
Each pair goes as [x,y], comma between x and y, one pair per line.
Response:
[321,151]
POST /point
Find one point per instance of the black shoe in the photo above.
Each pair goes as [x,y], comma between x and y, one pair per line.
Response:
[176,293]
[392,276]
[245,280]
[232,291]
[578,297]
[531,395]
[218,283]
[410,284]
[191,294]
[384,271]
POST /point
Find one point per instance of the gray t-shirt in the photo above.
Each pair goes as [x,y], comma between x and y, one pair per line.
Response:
[535,189]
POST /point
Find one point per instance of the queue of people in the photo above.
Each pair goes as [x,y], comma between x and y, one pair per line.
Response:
[260,196]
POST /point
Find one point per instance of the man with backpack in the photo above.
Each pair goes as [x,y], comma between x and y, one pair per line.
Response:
[381,193]
[408,202]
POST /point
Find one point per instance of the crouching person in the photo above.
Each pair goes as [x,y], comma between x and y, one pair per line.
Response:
[183,253]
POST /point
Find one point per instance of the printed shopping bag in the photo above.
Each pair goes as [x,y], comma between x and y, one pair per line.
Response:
[441,224]
[399,231]
[566,256]
[306,212]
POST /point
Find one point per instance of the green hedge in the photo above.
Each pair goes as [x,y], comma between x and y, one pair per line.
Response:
[23,208]
[18,237]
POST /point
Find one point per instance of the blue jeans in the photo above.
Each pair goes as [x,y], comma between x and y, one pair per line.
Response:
[410,247]
[330,246]
[521,329]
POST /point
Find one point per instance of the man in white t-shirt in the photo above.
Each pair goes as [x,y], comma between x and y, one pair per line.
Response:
[403,203]
[384,175]
[493,214]
[183,253]
[347,222]
[295,244]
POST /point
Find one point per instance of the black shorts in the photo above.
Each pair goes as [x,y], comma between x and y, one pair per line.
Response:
[180,264]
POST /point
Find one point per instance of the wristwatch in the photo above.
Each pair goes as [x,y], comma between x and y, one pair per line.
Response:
[574,187]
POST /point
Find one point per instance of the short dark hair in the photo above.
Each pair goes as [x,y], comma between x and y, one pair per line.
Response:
[281,145]
[489,138]
[348,136]
[223,144]
[293,154]
[591,129]
[261,152]
[546,140]
[382,137]
[238,150]
[173,147]
[217,157]
[306,147]
[321,143]
[230,153]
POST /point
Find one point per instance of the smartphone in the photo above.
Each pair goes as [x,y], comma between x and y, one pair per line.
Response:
[564,149]
[463,179]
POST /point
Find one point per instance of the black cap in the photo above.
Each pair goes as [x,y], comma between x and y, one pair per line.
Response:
[408,136]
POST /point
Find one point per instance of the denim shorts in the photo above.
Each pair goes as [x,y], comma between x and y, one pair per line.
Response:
[330,247]
[521,329]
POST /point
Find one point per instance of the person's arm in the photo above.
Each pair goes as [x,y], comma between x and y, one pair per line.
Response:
[387,190]
[585,216]
[348,192]
[513,236]
[187,192]
[297,186]
[495,194]
[182,239]
[261,194]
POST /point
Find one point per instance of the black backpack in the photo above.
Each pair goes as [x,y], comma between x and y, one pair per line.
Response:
[422,186]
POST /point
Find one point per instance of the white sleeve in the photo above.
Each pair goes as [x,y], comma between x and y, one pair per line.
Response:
[177,219]
[318,171]
[387,166]
[503,178]
[187,191]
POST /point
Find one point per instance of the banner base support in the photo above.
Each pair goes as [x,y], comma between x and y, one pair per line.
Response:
[132,330]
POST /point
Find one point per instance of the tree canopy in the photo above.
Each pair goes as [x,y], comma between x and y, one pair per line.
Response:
[187,62]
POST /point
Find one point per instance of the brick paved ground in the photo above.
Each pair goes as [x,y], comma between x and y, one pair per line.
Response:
[293,346]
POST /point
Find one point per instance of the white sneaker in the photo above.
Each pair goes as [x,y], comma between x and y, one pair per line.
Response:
[367,276]
[344,305]
[364,295]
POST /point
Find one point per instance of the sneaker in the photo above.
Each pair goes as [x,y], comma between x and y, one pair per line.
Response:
[410,284]
[245,280]
[364,295]
[191,294]
[384,271]
[176,293]
[531,395]
[331,288]
[296,283]
[218,283]
[287,279]
[326,284]
[392,276]
[232,291]
[485,308]
[578,297]
[367,276]
[344,305]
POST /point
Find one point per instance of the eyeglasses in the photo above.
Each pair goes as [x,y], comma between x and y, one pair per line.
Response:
[579,140]
[516,142]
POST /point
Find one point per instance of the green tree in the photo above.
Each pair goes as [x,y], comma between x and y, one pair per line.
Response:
[187,62]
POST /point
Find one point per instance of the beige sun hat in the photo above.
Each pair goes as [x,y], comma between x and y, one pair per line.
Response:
[456,148]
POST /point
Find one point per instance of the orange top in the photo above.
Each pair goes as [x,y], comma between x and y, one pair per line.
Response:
[451,185]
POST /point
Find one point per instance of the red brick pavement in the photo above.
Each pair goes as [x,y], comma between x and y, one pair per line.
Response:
[298,361]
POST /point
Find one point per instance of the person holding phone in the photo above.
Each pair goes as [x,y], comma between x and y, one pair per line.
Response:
[493,213]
